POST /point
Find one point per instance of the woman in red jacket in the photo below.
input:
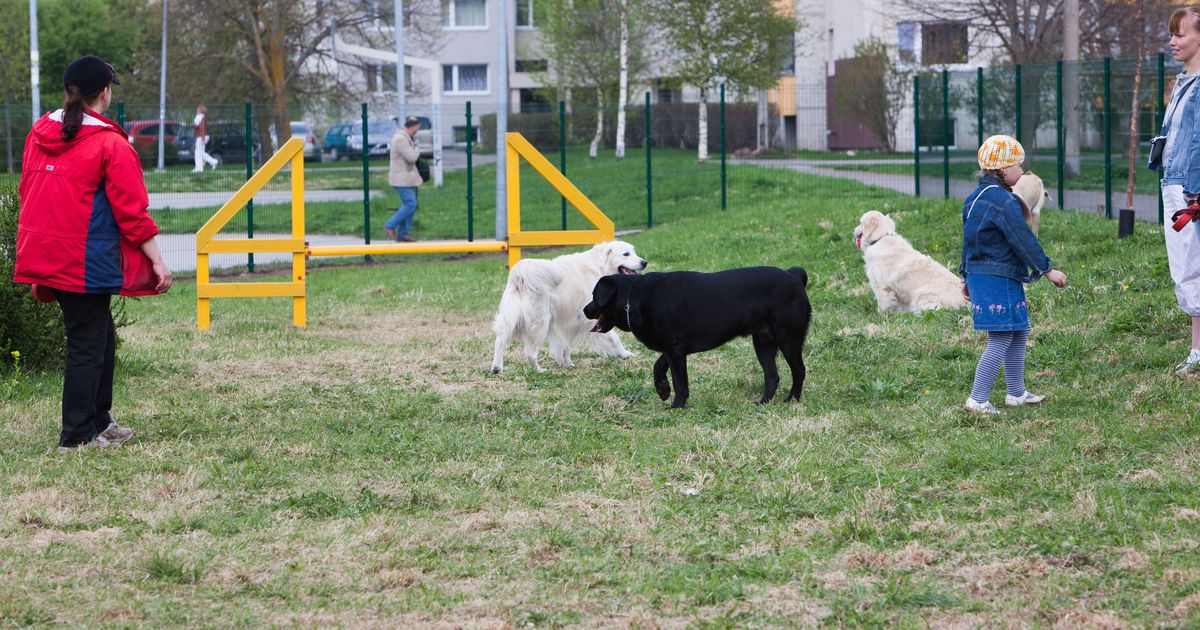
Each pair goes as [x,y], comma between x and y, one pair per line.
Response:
[85,234]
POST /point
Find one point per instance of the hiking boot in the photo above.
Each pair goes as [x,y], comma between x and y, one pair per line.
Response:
[116,435]
[407,239]
[1190,365]
[391,233]
[984,407]
[97,442]
[1028,398]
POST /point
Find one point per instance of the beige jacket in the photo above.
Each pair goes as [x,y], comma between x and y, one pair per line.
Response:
[403,170]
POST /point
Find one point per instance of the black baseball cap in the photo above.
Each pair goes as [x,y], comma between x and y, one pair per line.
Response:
[90,74]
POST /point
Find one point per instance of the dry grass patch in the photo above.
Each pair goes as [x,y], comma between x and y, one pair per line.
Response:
[1089,620]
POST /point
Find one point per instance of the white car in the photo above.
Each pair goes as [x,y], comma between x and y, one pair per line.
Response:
[379,137]
[304,131]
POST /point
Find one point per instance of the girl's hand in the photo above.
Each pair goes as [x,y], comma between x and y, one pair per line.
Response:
[1057,278]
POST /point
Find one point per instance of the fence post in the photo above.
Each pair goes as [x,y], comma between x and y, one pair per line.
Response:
[121,115]
[471,176]
[1108,137]
[366,179]
[979,106]
[917,135]
[1062,135]
[945,133]
[562,153]
[722,145]
[1017,95]
[649,178]
[8,136]
[249,173]
[1162,108]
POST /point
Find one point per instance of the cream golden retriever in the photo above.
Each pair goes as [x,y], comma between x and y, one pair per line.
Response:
[1032,193]
[544,299]
[902,278]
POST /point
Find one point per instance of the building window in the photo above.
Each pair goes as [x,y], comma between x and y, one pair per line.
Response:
[465,78]
[943,43]
[460,134]
[464,13]
[525,13]
[531,65]
[534,101]
[667,95]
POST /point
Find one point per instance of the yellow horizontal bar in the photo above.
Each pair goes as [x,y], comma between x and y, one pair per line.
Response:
[558,237]
[248,190]
[247,245]
[250,289]
[424,247]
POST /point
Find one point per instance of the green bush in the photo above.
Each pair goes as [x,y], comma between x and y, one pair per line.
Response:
[33,329]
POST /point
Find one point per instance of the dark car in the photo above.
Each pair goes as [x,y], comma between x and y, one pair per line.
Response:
[335,140]
[143,135]
[226,142]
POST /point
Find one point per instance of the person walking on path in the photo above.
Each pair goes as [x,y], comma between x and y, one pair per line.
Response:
[405,178]
[1181,174]
[200,122]
[83,235]
[998,252]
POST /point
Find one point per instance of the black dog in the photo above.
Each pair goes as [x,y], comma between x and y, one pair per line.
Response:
[684,312]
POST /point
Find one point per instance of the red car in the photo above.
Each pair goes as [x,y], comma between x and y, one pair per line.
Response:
[143,134]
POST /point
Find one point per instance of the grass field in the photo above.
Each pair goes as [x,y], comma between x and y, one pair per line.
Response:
[370,471]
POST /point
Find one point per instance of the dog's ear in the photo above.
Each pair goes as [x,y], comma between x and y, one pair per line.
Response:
[604,291]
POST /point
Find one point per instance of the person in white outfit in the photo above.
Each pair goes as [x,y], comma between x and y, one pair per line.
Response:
[201,156]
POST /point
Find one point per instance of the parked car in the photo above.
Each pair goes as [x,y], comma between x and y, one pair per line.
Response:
[304,131]
[143,135]
[424,137]
[379,138]
[226,142]
[335,140]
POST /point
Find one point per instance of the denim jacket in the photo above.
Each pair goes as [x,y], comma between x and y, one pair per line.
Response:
[1182,164]
[996,239]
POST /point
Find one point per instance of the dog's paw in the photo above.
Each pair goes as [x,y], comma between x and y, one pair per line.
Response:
[663,388]
[495,370]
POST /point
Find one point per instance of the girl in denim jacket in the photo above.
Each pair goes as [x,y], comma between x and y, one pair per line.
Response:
[998,253]
[1181,173]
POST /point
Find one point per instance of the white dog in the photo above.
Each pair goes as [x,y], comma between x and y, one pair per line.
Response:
[902,278]
[545,299]
[1033,195]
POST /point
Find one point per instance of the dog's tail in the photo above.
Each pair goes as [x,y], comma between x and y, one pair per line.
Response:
[527,295]
[799,272]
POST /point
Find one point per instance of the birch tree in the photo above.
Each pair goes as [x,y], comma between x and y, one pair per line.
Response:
[588,43]
[743,43]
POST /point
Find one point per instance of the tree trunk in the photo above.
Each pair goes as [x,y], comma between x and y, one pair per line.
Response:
[276,77]
[1133,108]
[1071,118]
[702,145]
[764,123]
[599,124]
[623,81]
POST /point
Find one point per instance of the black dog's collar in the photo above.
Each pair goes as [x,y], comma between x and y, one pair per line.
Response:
[627,323]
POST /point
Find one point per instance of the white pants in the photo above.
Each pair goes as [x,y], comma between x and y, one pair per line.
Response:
[201,156]
[1183,252]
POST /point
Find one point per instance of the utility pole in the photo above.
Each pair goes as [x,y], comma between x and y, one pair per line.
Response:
[1071,86]
[162,95]
[502,122]
[35,81]
[401,80]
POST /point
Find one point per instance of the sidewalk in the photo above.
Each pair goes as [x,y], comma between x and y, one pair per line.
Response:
[179,250]
[186,200]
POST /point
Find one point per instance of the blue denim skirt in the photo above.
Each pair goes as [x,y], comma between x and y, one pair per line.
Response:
[997,303]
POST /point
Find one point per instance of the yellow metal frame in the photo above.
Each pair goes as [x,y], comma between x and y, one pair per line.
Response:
[516,147]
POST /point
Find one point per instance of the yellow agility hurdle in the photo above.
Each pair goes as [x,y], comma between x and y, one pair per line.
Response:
[516,147]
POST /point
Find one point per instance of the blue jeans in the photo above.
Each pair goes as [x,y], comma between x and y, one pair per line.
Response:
[403,219]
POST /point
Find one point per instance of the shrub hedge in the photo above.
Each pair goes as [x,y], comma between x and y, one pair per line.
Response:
[26,325]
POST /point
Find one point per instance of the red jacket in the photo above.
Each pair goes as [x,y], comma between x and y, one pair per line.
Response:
[83,210]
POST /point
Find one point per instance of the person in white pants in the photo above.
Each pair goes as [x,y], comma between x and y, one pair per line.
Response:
[201,124]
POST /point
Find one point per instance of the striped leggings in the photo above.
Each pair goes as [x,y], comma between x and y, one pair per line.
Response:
[1005,348]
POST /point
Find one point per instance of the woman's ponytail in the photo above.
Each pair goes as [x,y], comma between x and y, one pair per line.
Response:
[72,113]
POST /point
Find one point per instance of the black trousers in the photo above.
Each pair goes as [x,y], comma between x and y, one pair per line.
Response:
[88,377]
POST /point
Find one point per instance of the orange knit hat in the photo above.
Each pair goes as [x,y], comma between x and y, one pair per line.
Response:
[1000,152]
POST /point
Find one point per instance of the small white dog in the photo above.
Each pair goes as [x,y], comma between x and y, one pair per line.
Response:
[902,278]
[1033,195]
[545,299]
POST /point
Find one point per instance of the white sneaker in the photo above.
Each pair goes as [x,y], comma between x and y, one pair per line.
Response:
[1190,366]
[1028,398]
[984,407]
